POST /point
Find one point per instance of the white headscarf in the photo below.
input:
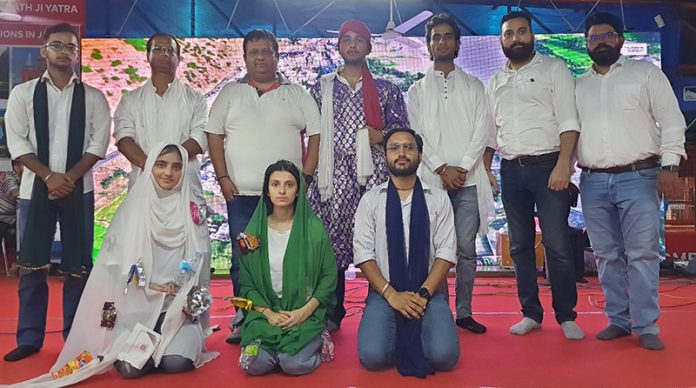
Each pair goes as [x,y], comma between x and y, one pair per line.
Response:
[147,216]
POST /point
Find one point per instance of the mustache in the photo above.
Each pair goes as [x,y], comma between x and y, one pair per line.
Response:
[519,45]
[603,46]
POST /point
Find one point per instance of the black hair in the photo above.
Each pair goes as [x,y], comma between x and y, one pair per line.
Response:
[56,28]
[170,148]
[604,18]
[419,140]
[260,35]
[515,15]
[281,165]
[151,41]
[436,20]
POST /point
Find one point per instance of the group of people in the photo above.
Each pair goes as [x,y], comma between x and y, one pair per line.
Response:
[340,181]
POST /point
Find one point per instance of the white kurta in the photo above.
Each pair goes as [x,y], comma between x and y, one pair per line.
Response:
[453,117]
[175,117]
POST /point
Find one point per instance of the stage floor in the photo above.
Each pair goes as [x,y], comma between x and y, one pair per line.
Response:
[495,359]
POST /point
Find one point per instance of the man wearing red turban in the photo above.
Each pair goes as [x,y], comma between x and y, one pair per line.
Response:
[356,111]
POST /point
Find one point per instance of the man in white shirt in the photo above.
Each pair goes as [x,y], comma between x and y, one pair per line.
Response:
[404,243]
[449,109]
[58,128]
[630,126]
[533,102]
[253,123]
[163,109]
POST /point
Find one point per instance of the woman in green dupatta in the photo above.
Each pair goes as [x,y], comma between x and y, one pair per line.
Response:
[290,277]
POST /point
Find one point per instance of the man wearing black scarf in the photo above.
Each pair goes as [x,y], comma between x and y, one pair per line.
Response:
[407,320]
[58,128]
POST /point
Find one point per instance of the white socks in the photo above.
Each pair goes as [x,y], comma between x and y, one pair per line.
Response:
[572,331]
[524,326]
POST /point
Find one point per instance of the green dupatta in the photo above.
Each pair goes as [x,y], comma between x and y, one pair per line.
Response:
[309,270]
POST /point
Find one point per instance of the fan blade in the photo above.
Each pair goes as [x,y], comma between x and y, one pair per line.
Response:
[409,42]
[412,22]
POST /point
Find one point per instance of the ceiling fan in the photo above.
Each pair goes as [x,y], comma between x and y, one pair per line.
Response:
[396,33]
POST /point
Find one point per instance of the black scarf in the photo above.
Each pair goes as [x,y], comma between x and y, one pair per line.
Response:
[403,276]
[38,233]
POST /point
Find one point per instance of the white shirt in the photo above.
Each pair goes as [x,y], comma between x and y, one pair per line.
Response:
[21,134]
[178,115]
[627,115]
[370,241]
[464,130]
[532,107]
[277,244]
[261,130]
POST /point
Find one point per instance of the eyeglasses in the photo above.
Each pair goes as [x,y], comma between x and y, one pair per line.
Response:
[160,50]
[60,46]
[264,53]
[602,37]
[447,37]
[407,147]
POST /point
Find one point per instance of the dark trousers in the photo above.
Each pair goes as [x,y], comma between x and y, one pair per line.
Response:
[523,187]
[339,312]
[239,212]
[33,285]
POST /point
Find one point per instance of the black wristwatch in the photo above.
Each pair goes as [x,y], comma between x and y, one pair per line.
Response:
[671,168]
[308,178]
[424,293]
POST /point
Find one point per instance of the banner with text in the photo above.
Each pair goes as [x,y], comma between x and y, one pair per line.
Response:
[36,15]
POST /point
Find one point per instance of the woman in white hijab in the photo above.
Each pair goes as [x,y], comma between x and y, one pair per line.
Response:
[155,257]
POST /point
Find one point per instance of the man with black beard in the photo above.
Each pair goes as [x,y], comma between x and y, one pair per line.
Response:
[533,102]
[631,143]
[407,270]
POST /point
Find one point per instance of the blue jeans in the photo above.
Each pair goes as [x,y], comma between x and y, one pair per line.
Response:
[622,217]
[466,223]
[33,285]
[377,334]
[523,187]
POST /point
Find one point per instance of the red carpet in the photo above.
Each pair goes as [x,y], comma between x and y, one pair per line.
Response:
[496,359]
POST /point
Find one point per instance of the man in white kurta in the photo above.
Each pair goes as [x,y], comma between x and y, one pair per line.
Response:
[162,110]
[449,109]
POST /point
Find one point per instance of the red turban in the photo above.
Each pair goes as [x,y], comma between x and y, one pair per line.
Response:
[359,28]
[373,111]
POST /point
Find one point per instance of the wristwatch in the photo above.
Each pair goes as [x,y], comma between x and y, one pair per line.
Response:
[424,293]
[671,168]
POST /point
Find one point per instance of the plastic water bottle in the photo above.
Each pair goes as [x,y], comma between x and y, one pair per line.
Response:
[350,272]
